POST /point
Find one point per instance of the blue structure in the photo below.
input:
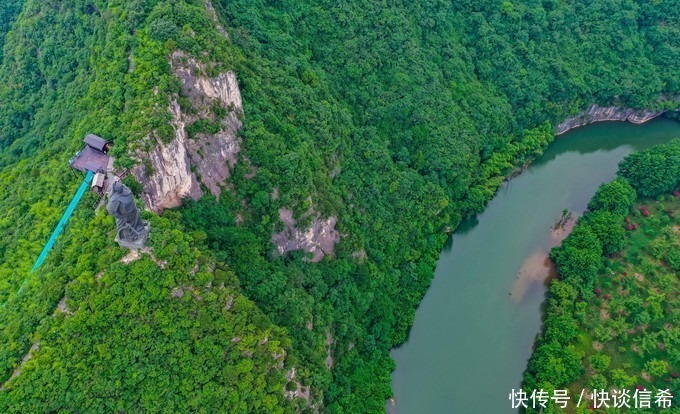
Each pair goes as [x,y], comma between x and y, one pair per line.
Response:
[64,218]
[57,230]
[91,159]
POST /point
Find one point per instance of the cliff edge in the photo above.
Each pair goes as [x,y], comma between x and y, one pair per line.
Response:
[598,113]
[206,116]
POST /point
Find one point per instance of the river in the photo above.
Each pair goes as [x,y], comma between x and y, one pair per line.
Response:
[475,328]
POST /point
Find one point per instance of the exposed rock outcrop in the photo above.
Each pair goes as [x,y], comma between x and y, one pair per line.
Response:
[34,348]
[212,112]
[299,391]
[213,15]
[598,113]
[319,238]
[328,345]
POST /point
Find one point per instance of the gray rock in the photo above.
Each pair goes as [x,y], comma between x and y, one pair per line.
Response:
[611,113]
[318,239]
[178,168]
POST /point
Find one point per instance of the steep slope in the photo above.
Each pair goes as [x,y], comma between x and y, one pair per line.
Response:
[399,119]
[8,13]
[92,331]
[381,124]
[165,332]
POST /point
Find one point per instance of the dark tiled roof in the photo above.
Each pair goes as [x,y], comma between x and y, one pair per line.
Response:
[89,159]
[96,142]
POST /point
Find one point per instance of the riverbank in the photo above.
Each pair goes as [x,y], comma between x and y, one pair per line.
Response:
[470,340]
[611,316]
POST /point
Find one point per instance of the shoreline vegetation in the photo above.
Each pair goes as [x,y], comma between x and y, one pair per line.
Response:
[594,114]
[611,315]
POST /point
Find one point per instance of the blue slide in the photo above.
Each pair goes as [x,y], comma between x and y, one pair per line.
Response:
[67,215]
[60,227]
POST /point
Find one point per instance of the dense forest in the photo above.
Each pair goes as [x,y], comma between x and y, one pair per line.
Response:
[399,119]
[94,330]
[612,315]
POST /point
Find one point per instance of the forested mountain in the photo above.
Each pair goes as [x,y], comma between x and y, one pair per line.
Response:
[387,122]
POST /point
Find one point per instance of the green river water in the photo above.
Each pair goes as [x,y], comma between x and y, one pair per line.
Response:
[474,330]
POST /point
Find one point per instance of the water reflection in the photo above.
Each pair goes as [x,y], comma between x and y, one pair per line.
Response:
[474,331]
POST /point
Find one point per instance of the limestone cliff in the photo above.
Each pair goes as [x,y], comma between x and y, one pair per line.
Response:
[204,145]
[598,113]
[318,239]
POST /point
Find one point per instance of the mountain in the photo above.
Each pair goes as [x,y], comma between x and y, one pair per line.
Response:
[301,163]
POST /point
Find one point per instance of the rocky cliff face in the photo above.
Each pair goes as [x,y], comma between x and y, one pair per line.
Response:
[204,146]
[598,113]
[318,239]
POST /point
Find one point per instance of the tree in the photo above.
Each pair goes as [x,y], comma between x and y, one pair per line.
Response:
[599,361]
[655,171]
[580,257]
[621,380]
[609,229]
[616,196]
[656,367]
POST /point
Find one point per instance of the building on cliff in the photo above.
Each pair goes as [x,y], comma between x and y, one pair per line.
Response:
[93,157]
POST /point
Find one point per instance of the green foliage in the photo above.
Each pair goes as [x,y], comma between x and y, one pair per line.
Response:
[8,13]
[557,364]
[170,332]
[673,259]
[579,258]
[163,29]
[621,380]
[655,171]
[616,196]
[599,362]
[597,382]
[136,334]
[609,229]
[400,137]
[656,368]
[133,185]
[622,313]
